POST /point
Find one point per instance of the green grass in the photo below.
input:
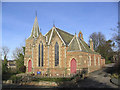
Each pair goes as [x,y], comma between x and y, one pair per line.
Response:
[107,61]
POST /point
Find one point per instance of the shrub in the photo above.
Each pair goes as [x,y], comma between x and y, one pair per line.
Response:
[115,75]
[15,78]
[108,61]
[22,69]
[84,71]
[52,79]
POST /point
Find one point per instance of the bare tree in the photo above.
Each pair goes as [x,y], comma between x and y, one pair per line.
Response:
[116,37]
[16,52]
[94,38]
[5,51]
[98,39]
[101,39]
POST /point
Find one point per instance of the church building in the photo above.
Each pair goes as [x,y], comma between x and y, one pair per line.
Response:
[59,53]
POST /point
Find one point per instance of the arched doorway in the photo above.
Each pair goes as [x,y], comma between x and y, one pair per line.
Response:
[73,66]
[29,66]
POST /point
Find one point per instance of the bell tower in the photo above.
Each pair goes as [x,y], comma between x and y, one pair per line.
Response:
[80,35]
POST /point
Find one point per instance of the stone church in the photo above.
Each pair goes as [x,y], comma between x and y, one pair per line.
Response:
[59,53]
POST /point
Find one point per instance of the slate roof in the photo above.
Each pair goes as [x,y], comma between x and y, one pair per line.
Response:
[64,35]
[74,46]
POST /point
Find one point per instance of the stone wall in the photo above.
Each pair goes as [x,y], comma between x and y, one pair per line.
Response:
[28,52]
[41,83]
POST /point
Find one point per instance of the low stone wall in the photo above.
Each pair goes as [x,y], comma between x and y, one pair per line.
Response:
[41,83]
[7,82]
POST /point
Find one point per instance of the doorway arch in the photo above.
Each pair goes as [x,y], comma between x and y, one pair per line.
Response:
[73,66]
[29,66]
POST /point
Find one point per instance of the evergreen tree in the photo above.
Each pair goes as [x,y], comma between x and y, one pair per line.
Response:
[106,50]
[20,60]
[4,65]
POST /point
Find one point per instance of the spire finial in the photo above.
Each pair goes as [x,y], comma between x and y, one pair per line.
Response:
[36,13]
[53,23]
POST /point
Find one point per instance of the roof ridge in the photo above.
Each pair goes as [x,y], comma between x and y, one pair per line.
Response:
[65,32]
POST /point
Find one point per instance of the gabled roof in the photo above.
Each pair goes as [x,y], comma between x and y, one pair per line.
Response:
[78,44]
[64,36]
[74,45]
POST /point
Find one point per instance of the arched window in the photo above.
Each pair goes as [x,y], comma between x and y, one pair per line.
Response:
[56,54]
[39,55]
[42,55]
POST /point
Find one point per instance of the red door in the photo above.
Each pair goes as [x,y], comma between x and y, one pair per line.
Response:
[29,66]
[73,66]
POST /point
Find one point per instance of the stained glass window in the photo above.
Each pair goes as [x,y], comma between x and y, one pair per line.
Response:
[39,55]
[56,54]
[42,55]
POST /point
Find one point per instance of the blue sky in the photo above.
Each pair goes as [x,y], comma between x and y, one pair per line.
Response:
[89,17]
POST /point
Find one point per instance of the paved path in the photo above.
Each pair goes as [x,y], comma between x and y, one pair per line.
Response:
[98,79]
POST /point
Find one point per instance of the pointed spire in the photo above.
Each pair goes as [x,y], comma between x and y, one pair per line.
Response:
[35,29]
